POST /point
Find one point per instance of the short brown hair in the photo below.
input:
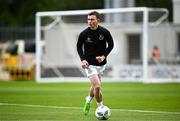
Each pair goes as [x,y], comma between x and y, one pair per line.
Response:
[94,13]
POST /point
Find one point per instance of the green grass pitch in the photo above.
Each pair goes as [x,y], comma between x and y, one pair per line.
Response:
[27,100]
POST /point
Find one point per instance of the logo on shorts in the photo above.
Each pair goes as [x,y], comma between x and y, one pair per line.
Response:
[89,70]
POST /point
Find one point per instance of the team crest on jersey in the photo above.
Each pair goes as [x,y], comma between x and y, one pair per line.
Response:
[101,37]
[88,40]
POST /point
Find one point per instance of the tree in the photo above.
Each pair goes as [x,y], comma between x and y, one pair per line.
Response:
[22,12]
[157,4]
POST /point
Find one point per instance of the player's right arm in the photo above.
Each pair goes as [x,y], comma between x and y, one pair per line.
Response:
[84,64]
[79,45]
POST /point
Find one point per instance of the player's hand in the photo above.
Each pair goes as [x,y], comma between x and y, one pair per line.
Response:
[84,64]
[100,58]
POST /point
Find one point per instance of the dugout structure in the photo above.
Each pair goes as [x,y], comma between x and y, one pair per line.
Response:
[135,31]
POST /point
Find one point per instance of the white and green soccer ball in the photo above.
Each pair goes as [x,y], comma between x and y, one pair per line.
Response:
[103,113]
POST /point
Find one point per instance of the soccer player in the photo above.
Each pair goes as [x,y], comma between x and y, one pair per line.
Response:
[93,46]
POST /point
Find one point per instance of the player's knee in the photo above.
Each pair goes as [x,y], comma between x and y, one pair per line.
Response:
[97,87]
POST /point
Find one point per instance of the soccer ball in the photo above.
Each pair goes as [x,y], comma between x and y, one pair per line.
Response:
[102,113]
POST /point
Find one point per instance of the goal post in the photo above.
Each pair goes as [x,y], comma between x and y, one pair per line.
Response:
[55,64]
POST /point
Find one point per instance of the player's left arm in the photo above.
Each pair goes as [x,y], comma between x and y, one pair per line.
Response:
[100,58]
[108,49]
[110,44]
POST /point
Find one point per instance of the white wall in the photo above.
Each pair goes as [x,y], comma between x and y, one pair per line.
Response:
[116,18]
[61,41]
[176,9]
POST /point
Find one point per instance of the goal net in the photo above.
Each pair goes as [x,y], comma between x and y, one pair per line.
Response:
[136,31]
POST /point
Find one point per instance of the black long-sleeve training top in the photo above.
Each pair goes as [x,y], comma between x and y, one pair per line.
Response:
[92,43]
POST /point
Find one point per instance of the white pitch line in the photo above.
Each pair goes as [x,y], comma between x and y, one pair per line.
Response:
[148,111]
[40,106]
[79,108]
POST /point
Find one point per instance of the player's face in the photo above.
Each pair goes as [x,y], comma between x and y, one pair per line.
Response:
[93,21]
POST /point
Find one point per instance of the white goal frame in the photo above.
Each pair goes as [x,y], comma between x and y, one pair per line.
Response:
[145,25]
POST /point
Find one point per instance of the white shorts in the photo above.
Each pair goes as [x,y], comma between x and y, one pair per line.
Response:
[95,70]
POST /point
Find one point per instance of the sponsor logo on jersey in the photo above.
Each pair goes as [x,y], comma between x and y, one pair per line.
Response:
[88,40]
